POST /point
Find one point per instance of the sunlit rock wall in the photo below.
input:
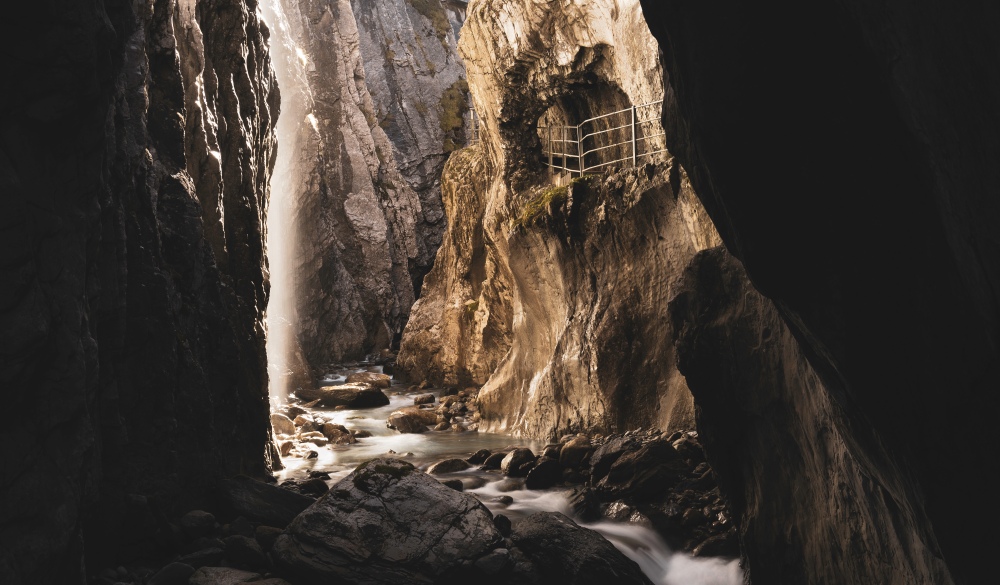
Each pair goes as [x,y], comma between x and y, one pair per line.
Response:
[137,150]
[563,317]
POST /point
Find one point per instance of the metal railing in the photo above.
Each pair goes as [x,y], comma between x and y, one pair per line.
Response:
[625,136]
[604,141]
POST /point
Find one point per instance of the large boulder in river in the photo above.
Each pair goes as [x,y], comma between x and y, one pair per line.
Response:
[653,469]
[563,552]
[411,419]
[377,380]
[349,395]
[386,523]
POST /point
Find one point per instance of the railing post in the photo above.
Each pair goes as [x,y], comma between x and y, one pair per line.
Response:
[633,137]
[549,131]
[579,150]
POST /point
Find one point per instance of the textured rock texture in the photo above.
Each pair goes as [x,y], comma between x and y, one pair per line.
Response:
[876,241]
[380,104]
[557,299]
[137,149]
[839,508]
[386,523]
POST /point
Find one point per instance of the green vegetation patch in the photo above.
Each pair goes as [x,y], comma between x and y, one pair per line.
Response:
[433,11]
[453,105]
[538,206]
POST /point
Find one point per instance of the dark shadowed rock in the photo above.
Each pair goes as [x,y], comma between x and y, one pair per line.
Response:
[172,574]
[479,457]
[266,535]
[494,461]
[221,576]
[349,395]
[208,557]
[197,523]
[566,553]
[455,484]
[263,502]
[386,523]
[244,551]
[585,504]
[448,466]
[653,469]
[545,474]
[726,544]
[605,456]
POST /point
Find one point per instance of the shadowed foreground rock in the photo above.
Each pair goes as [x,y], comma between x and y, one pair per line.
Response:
[566,553]
[384,524]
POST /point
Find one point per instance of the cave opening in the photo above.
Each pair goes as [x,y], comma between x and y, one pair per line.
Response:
[594,126]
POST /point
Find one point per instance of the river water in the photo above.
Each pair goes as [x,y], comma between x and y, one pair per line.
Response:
[643,545]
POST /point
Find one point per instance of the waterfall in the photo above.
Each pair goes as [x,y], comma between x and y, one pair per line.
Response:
[296,131]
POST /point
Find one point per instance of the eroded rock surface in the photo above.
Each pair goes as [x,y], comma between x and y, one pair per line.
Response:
[379,100]
[137,151]
[556,299]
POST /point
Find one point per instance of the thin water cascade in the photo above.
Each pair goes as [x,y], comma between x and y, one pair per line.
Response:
[296,127]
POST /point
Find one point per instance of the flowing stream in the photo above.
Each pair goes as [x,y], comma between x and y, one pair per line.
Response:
[643,545]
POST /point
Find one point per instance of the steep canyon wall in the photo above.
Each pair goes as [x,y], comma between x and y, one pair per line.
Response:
[380,104]
[556,299]
[137,148]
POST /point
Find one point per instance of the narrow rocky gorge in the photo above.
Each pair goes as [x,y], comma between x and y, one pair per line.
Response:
[377,100]
[764,349]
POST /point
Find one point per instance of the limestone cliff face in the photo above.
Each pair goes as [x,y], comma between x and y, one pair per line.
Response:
[382,103]
[556,299]
[136,158]
[877,244]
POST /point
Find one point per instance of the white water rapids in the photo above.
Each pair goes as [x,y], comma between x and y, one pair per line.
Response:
[644,546]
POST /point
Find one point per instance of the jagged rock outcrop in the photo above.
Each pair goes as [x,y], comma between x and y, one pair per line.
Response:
[556,299]
[138,145]
[378,105]
[875,237]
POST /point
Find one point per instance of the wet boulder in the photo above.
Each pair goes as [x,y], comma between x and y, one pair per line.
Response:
[386,523]
[411,419]
[448,466]
[423,399]
[545,474]
[517,463]
[281,424]
[607,454]
[564,552]
[653,469]
[574,452]
[347,395]
[337,434]
[198,523]
[376,380]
